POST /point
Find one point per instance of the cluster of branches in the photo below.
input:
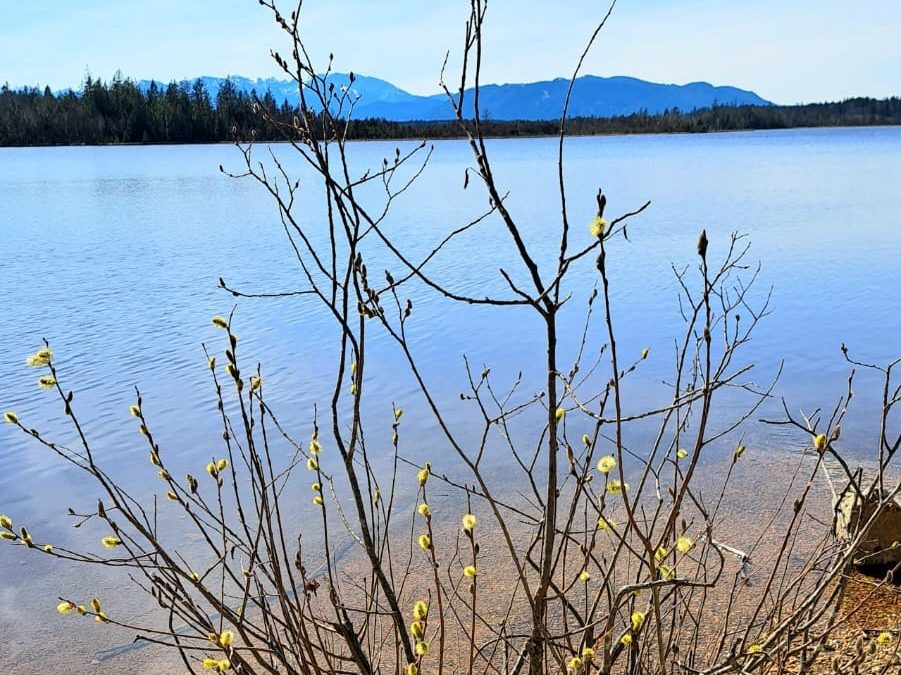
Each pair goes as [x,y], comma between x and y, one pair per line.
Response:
[121,112]
[608,560]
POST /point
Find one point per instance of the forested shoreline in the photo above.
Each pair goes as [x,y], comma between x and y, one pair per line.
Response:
[120,112]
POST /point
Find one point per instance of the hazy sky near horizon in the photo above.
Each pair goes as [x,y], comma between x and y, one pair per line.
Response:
[788,51]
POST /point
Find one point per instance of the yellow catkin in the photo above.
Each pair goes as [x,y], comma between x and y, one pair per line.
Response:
[606,464]
[420,610]
[110,542]
[606,524]
[423,475]
[637,620]
[40,358]
[614,487]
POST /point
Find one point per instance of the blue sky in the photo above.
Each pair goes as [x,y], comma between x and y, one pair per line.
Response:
[786,50]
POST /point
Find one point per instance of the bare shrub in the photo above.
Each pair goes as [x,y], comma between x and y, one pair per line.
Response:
[609,558]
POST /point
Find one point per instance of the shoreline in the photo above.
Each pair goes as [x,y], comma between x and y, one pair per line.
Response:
[461,137]
[751,500]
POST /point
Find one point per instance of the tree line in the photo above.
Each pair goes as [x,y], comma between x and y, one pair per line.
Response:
[119,111]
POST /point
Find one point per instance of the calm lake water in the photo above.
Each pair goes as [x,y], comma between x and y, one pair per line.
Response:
[113,255]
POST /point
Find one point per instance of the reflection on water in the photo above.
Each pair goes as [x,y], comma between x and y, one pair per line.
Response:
[113,255]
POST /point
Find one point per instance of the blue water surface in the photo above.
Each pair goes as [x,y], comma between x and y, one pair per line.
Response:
[113,255]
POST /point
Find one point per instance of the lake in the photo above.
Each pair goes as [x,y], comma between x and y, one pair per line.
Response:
[113,255]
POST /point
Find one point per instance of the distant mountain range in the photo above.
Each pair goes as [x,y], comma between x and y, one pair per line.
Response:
[592,97]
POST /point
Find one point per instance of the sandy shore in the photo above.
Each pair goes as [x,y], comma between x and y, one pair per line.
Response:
[749,519]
